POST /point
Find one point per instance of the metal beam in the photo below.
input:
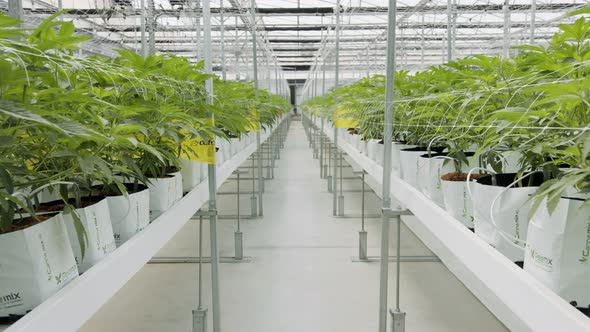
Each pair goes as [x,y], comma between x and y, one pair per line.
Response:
[309,11]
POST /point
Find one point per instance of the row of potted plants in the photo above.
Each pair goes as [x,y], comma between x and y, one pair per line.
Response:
[91,146]
[502,144]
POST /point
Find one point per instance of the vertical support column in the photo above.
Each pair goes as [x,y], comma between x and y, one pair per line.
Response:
[449,30]
[222,26]
[15,9]
[322,170]
[200,314]
[533,19]
[152,27]
[253,198]
[336,84]
[237,51]
[363,233]
[387,137]
[507,26]
[238,236]
[422,42]
[212,179]
[341,196]
[258,138]
[144,46]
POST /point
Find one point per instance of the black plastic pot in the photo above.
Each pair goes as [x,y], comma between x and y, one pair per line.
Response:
[506,179]
[435,149]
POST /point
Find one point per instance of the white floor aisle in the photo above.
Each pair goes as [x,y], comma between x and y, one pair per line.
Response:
[301,277]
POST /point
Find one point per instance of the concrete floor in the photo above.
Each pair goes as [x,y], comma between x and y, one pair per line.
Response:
[300,276]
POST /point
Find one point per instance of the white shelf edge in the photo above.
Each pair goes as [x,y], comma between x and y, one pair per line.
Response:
[76,303]
[516,298]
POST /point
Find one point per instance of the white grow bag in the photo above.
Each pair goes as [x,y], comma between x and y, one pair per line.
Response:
[235,146]
[501,213]
[430,169]
[219,155]
[558,249]
[35,263]
[363,147]
[96,220]
[162,194]
[129,214]
[225,148]
[457,202]
[372,148]
[379,149]
[396,147]
[178,186]
[409,164]
[191,174]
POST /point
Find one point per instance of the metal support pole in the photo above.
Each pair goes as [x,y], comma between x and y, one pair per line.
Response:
[15,9]
[238,236]
[258,142]
[449,30]
[398,317]
[222,36]
[322,171]
[329,176]
[212,180]
[269,156]
[363,233]
[507,24]
[253,199]
[422,42]
[387,137]
[152,27]
[341,196]
[200,314]
[336,83]
[144,47]
[533,18]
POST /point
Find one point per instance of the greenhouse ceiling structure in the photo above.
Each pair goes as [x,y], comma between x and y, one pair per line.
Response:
[296,37]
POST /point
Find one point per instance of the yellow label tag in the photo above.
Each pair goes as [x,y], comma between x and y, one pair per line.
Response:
[341,120]
[199,150]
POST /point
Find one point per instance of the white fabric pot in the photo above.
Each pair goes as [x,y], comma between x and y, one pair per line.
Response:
[372,148]
[235,146]
[219,160]
[409,166]
[178,186]
[430,181]
[191,174]
[96,220]
[355,141]
[430,169]
[558,249]
[379,149]
[510,213]
[396,147]
[457,202]
[35,263]
[225,148]
[363,147]
[130,214]
[162,193]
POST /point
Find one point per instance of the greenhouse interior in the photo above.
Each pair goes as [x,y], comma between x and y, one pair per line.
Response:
[294,165]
